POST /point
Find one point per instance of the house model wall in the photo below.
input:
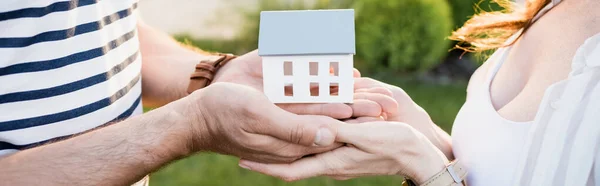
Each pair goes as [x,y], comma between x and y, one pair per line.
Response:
[308,55]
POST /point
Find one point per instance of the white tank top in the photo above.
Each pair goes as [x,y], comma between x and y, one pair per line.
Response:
[488,144]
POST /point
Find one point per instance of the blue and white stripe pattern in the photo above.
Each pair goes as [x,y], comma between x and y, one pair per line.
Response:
[66,66]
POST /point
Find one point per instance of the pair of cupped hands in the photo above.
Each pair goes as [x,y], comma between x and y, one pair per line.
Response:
[382,133]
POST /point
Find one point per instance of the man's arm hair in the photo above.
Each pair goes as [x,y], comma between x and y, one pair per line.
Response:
[118,154]
[166,66]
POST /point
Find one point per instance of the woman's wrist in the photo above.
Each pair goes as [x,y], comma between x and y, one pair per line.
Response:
[440,139]
[430,169]
[431,162]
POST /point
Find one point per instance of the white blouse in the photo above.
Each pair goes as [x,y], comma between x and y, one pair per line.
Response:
[562,147]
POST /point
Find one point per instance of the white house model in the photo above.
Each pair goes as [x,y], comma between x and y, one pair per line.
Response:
[308,55]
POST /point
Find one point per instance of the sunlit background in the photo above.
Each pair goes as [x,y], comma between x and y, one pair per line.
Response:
[401,42]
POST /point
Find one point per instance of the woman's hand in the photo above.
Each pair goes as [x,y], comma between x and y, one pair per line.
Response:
[376,148]
[410,113]
[407,112]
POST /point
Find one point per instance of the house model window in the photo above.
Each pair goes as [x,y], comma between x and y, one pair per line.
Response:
[308,55]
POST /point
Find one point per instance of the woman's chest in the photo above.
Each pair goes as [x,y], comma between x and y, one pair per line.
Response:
[541,57]
[531,66]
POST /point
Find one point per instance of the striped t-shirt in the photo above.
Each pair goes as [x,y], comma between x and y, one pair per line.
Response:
[66,66]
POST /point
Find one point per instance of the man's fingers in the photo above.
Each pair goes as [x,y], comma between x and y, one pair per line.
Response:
[351,134]
[267,158]
[301,169]
[302,130]
[334,110]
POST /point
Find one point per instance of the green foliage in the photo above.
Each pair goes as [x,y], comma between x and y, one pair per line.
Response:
[247,39]
[402,35]
[211,45]
[462,10]
[406,36]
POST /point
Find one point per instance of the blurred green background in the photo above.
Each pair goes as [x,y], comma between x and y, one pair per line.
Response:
[401,42]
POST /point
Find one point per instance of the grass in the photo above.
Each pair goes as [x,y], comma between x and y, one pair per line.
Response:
[207,169]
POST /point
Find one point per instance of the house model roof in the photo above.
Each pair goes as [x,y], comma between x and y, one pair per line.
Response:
[307,32]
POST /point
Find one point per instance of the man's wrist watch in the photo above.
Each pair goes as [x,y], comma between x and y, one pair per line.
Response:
[453,175]
[205,72]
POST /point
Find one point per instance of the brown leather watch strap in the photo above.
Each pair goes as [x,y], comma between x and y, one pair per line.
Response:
[205,72]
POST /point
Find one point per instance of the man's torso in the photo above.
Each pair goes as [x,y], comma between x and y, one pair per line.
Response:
[65,67]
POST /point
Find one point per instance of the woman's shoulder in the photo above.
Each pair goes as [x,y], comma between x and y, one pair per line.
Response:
[587,56]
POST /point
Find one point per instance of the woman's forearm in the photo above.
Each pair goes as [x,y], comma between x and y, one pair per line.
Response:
[418,118]
[443,141]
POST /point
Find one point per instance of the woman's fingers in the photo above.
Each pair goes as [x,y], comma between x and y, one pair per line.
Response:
[273,150]
[379,90]
[360,83]
[340,163]
[356,73]
[365,119]
[387,104]
[298,170]
[341,178]
[365,108]
[367,103]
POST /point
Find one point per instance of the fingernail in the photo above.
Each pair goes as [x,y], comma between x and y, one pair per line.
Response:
[324,137]
[244,166]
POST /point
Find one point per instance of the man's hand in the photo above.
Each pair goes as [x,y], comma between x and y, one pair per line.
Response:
[239,120]
[244,70]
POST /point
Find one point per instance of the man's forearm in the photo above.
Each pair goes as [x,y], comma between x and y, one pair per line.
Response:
[167,66]
[119,154]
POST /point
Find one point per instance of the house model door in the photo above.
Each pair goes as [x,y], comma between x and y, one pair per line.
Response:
[308,56]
